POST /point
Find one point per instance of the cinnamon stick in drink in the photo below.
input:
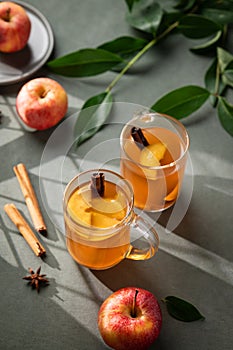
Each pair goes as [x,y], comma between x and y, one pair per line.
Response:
[97,185]
[30,197]
[24,229]
[139,137]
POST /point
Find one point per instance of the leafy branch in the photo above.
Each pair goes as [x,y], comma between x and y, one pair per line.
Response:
[195,19]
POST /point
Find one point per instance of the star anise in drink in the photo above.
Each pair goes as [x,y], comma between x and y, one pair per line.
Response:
[36,279]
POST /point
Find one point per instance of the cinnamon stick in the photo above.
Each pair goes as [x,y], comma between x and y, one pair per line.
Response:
[24,229]
[30,197]
[138,137]
[97,185]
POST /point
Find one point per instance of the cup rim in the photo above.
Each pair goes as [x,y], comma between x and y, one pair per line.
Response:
[160,167]
[103,231]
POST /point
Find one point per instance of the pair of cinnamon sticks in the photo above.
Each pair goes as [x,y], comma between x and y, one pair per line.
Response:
[34,210]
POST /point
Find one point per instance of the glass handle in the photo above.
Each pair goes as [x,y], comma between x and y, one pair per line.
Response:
[145,240]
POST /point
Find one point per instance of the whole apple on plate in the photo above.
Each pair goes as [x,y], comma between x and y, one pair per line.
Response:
[41,103]
[15,27]
[130,319]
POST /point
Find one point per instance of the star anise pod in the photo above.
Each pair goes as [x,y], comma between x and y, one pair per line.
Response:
[35,279]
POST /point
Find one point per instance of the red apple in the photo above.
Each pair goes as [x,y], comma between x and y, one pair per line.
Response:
[130,319]
[15,27]
[41,103]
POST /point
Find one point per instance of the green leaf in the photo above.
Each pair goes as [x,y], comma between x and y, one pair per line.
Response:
[185,5]
[182,102]
[224,58]
[228,77]
[182,310]
[220,16]
[208,45]
[146,16]
[169,18]
[211,76]
[92,116]
[124,46]
[225,114]
[219,11]
[196,26]
[130,3]
[212,83]
[85,62]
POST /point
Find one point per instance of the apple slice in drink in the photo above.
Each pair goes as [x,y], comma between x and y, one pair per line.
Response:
[172,195]
[79,209]
[152,154]
[108,212]
[99,211]
[103,220]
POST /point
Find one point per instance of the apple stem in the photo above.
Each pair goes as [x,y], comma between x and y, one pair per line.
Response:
[7,18]
[133,313]
[44,93]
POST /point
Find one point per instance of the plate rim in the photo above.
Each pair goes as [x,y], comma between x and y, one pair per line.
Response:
[47,26]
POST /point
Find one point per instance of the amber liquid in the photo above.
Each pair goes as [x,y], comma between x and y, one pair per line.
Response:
[96,236]
[154,189]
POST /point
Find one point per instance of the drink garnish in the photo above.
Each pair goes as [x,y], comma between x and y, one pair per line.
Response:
[97,185]
[138,137]
[151,154]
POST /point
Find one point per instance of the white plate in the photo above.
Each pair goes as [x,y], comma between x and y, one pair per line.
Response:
[15,67]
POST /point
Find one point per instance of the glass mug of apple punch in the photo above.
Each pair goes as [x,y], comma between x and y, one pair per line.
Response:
[100,221]
[154,150]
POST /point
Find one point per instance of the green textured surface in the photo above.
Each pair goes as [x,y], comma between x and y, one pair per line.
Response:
[194,262]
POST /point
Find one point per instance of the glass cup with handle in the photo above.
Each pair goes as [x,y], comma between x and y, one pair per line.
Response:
[100,222]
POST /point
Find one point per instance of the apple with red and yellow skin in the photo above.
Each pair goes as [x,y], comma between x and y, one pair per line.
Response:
[41,103]
[130,319]
[15,27]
